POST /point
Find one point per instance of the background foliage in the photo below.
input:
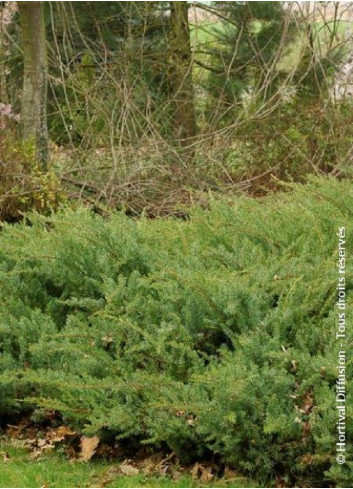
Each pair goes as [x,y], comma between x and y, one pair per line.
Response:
[268,96]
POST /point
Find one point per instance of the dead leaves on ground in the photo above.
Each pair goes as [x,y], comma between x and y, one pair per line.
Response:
[39,445]
[205,474]
[158,465]
[5,457]
[115,471]
[88,448]
[43,440]
[63,436]
[128,469]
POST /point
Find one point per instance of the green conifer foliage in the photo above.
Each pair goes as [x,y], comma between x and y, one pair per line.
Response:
[215,334]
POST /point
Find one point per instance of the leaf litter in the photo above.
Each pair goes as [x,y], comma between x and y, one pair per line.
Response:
[43,440]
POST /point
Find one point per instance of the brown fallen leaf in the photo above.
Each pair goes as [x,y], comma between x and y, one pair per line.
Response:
[88,447]
[149,465]
[180,413]
[128,469]
[191,420]
[38,446]
[195,471]
[108,338]
[200,472]
[64,431]
[15,431]
[5,456]
[156,464]
[30,442]
[206,474]
[176,474]
[59,434]
[35,455]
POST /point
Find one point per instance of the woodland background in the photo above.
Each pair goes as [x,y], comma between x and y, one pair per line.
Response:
[156,104]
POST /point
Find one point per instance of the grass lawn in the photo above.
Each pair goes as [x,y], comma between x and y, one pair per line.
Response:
[18,468]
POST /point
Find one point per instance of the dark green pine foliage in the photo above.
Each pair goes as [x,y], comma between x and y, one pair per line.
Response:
[105,57]
[215,334]
[249,39]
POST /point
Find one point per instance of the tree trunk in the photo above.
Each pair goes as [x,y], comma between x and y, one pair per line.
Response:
[180,75]
[34,95]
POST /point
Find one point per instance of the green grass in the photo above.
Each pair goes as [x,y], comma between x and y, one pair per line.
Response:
[55,470]
[48,471]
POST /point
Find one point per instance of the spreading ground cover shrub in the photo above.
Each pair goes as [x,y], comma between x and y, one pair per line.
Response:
[211,335]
